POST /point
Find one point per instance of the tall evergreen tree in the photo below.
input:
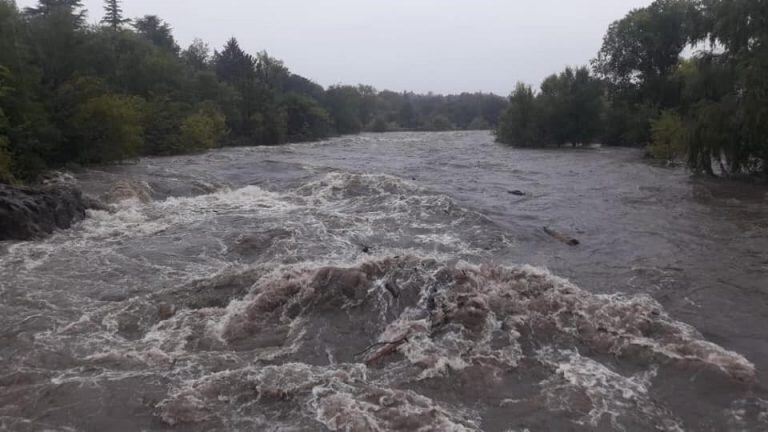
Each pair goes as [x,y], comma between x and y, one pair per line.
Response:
[113,14]
[234,65]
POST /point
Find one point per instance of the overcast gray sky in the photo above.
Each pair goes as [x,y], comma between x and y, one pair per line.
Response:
[444,46]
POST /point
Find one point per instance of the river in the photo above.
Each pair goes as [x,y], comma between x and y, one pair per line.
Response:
[396,281]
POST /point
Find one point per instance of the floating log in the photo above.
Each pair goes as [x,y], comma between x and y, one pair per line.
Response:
[388,348]
[570,241]
[379,350]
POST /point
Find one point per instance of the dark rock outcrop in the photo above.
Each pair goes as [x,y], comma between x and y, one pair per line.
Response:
[29,213]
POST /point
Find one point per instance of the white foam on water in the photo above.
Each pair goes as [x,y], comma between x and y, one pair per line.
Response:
[608,393]
[241,361]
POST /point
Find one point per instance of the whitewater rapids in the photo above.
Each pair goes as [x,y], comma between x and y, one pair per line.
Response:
[320,297]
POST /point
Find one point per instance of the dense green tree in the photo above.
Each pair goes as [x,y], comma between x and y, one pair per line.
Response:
[638,60]
[56,32]
[568,109]
[197,55]
[439,122]
[379,124]
[162,122]
[271,72]
[234,65]
[343,103]
[6,174]
[668,137]
[303,86]
[571,106]
[741,27]
[109,128]
[203,129]
[69,9]
[268,127]
[306,120]
[713,105]
[520,124]
[30,137]
[157,31]
[641,51]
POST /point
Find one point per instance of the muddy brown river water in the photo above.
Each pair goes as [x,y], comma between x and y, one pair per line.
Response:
[392,282]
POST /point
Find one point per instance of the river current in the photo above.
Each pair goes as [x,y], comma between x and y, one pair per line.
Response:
[398,281]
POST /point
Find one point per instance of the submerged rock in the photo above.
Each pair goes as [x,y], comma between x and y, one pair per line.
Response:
[27,213]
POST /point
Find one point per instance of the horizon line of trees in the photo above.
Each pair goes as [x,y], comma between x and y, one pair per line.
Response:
[709,108]
[71,92]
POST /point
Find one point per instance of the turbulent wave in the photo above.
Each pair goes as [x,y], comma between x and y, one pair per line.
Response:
[352,303]
[365,347]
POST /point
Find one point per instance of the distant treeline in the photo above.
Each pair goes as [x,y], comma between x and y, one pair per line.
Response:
[710,109]
[77,93]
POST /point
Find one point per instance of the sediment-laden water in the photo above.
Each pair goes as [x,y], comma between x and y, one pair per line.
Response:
[392,282]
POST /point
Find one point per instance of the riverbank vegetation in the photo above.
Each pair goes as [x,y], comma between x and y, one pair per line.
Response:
[71,92]
[687,78]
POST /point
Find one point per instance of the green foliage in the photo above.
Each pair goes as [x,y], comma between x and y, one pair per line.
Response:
[162,121]
[439,122]
[306,119]
[268,127]
[640,51]
[668,137]
[520,123]
[92,94]
[197,56]
[70,10]
[568,109]
[741,26]
[627,124]
[113,14]
[234,65]
[715,104]
[379,124]
[56,29]
[203,130]
[5,74]
[108,128]
[6,175]
[571,106]
[6,172]
[158,32]
[344,104]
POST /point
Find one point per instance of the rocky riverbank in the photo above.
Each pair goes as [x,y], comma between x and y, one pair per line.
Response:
[35,212]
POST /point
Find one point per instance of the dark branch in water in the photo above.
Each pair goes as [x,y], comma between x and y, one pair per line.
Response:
[570,241]
[389,348]
[395,343]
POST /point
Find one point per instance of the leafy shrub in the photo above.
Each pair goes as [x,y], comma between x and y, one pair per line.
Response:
[203,130]
[668,137]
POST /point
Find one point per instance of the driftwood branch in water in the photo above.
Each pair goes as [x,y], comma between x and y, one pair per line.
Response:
[561,237]
[387,350]
[374,345]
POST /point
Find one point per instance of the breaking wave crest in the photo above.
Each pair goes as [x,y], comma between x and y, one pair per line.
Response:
[366,347]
